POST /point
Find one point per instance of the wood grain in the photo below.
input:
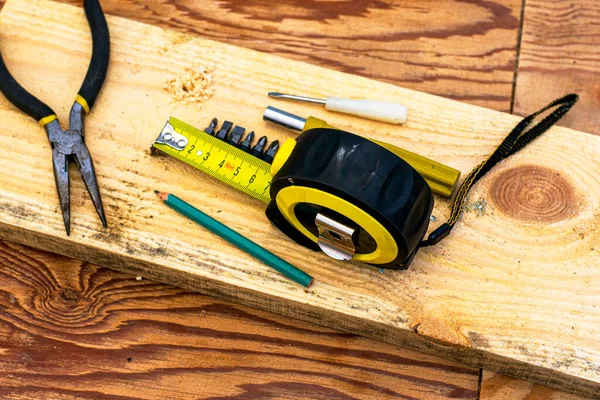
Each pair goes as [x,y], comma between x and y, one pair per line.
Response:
[498,387]
[464,49]
[73,330]
[487,307]
[559,54]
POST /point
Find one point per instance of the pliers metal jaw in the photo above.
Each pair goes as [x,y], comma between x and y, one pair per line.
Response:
[68,145]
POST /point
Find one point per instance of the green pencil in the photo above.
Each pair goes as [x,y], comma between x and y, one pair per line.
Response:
[236,239]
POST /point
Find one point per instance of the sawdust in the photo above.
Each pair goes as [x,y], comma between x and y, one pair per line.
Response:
[481,207]
[192,85]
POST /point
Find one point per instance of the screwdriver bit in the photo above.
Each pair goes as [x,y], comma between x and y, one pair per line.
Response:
[236,135]
[245,145]
[259,147]
[269,155]
[210,129]
[225,128]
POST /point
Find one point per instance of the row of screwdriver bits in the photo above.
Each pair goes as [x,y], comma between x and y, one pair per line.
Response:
[234,137]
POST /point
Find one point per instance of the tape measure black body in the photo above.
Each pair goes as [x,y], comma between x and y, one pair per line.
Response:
[337,170]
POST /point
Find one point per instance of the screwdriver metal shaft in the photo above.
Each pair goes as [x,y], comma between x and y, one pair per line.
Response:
[298,98]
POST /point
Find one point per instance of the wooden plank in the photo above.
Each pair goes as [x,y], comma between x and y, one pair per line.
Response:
[144,340]
[465,50]
[559,53]
[486,308]
[499,387]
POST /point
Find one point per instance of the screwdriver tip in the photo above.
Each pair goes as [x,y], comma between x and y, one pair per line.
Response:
[275,94]
[102,217]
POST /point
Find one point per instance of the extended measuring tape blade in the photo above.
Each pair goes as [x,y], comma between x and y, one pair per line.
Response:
[216,158]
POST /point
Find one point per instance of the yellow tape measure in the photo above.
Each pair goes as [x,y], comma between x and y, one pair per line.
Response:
[215,157]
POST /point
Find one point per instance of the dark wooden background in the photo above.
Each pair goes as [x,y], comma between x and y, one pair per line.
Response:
[73,330]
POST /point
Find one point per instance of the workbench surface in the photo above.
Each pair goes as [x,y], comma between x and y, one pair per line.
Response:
[74,330]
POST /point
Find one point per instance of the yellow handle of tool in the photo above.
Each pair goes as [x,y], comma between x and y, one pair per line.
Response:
[441,178]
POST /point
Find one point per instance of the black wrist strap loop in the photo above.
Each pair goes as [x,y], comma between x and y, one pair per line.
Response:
[515,141]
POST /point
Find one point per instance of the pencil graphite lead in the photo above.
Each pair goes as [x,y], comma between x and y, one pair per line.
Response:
[161,195]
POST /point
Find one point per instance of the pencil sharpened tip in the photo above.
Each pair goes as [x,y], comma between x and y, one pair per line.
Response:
[161,195]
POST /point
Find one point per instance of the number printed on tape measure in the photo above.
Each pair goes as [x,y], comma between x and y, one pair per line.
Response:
[221,160]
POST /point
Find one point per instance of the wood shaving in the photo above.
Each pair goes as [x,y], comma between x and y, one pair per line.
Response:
[192,85]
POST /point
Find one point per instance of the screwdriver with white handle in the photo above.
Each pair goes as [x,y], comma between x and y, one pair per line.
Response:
[394,113]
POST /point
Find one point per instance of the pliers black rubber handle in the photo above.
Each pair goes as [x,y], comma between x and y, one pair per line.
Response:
[92,83]
[68,145]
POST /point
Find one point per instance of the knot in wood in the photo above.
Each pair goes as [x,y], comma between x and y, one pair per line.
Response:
[69,296]
[534,194]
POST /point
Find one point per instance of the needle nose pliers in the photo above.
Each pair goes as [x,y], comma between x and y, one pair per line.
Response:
[68,145]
